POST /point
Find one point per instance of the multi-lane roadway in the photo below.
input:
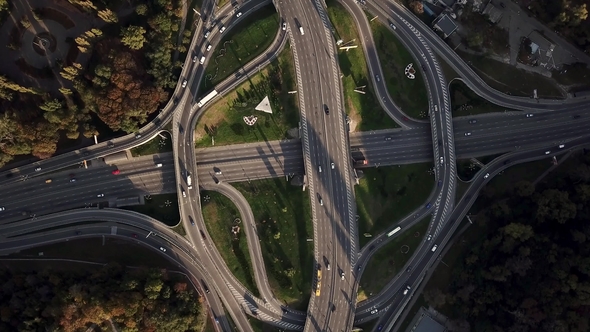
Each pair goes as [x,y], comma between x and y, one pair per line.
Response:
[324,143]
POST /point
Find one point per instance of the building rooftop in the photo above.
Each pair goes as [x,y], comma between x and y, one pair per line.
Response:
[445,24]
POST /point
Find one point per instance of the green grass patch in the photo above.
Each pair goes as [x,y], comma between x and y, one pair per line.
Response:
[363,109]
[224,120]
[505,182]
[245,41]
[409,95]
[449,72]
[465,102]
[505,78]
[161,207]
[283,220]
[156,145]
[126,253]
[219,213]
[387,194]
[461,189]
[573,74]
[389,260]
[179,229]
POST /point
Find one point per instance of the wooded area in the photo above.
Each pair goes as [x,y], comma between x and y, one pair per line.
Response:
[131,300]
[532,271]
[128,74]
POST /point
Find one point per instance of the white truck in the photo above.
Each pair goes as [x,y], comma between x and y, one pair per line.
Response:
[189,182]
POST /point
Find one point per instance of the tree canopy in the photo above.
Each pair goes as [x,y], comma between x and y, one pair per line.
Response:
[131,300]
[533,272]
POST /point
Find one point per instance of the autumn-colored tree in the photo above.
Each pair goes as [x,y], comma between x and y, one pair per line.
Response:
[417,7]
[141,9]
[108,16]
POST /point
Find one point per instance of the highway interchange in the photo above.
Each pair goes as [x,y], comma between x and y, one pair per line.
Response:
[335,237]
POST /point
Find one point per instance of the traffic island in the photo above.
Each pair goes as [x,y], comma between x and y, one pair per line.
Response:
[360,102]
[221,218]
[390,260]
[230,120]
[409,94]
[387,194]
[283,222]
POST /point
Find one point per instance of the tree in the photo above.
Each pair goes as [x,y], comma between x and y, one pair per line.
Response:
[555,205]
[108,16]
[475,39]
[141,9]
[133,37]
[51,105]
[524,188]
[417,7]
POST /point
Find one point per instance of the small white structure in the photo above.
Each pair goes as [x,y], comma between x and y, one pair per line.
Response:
[264,106]
[250,120]
[410,71]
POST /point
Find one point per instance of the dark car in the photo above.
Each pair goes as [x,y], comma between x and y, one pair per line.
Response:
[326,109]
[380,327]
[205,286]
[428,205]
[577,116]
[191,220]
[202,234]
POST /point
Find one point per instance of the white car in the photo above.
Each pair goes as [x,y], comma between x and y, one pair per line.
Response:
[429,237]
[207,34]
[222,30]
[319,168]
[239,14]
[392,26]
[163,249]
[332,165]
[37,169]
[100,195]
[407,289]
[183,193]
[194,59]
[561,146]
[208,47]
[529,115]
[341,275]
[434,248]
[486,176]
[441,160]
[2,208]
[218,173]
[467,134]
[184,83]
[547,152]
[321,202]
[378,78]
[328,267]
[284,26]
[374,311]
[202,60]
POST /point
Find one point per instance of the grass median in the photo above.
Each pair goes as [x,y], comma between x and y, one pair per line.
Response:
[159,144]
[364,110]
[465,102]
[387,194]
[220,214]
[283,219]
[507,79]
[162,207]
[409,94]
[223,122]
[244,42]
[390,260]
